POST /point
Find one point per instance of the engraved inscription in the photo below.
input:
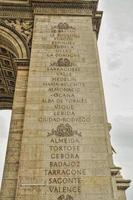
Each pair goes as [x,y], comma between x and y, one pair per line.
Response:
[63,105]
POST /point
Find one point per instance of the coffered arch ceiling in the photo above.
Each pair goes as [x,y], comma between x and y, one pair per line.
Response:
[7,78]
[12,47]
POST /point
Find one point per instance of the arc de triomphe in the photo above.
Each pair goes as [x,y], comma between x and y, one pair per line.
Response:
[59,145]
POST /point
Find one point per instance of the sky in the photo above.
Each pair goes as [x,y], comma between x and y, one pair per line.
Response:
[115,45]
[116,57]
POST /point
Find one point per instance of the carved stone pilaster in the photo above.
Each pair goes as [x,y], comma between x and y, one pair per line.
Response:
[96,21]
[22,64]
[121,183]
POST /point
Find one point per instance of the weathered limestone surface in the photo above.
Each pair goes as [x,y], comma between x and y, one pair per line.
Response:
[10,175]
[64,147]
[59,144]
[14,1]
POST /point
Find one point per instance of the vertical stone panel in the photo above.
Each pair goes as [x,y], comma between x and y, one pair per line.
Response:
[10,175]
[64,151]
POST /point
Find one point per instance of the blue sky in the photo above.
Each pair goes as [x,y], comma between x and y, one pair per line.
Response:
[116,56]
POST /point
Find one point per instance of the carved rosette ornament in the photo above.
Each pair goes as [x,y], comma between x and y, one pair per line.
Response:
[64,130]
[62,62]
[63,197]
[23,27]
[63,26]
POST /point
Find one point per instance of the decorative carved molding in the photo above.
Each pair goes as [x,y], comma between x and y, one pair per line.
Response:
[16,11]
[64,130]
[62,62]
[121,183]
[62,11]
[109,126]
[36,6]
[54,7]
[91,5]
[96,21]
[23,27]
[115,170]
[10,2]
[22,64]
[64,26]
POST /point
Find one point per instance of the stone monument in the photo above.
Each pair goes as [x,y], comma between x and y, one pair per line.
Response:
[59,145]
